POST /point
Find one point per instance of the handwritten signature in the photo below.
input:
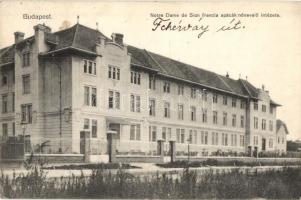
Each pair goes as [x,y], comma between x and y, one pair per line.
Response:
[165,24]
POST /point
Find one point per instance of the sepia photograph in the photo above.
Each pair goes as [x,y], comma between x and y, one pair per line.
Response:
[150,99]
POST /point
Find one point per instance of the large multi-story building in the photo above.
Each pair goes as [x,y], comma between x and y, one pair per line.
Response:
[56,84]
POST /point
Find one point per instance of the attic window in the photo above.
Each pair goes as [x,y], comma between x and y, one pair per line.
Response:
[26,59]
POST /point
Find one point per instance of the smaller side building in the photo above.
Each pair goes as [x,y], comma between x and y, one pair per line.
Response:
[281,133]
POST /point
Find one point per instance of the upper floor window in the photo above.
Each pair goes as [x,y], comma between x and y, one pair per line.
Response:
[4,80]
[135,103]
[114,99]
[225,119]
[152,82]
[4,130]
[204,95]
[255,123]
[4,103]
[166,109]
[214,117]
[193,113]
[264,108]
[166,87]
[271,110]
[233,120]
[255,106]
[193,93]
[180,111]
[225,102]
[114,72]
[214,98]
[135,132]
[242,121]
[263,124]
[233,102]
[26,113]
[26,59]
[86,123]
[204,116]
[180,89]
[242,104]
[89,67]
[271,125]
[152,107]
[90,98]
[135,77]
[26,83]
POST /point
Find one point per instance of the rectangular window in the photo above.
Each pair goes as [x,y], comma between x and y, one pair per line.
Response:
[4,103]
[152,82]
[135,77]
[180,89]
[87,95]
[242,140]
[193,113]
[26,59]
[94,128]
[164,133]
[225,102]
[4,130]
[180,111]
[214,98]
[26,113]
[271,125]
[153,133]
[242,104]
[114,100]
[264,108]
[204,95]
[152,107]
[94,97]
[135,103]
[86,124]
[14,128]
[204,115]
[233,120]
[135,132]
[166,109]
[190,138]
[233,102]
[193,93]
[4,79]
[255,123]
[206,137]
[225,119]
[235,140]
[178,139]
[89,67]
[182,136]
[113,72]
[271,110]
[263,125]
[214,117]
[242,121]
[166,87]
[214,138]
[26,84]
[13,102]
[255,106]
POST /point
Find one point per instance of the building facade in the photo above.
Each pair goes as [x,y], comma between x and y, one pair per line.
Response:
[56,84]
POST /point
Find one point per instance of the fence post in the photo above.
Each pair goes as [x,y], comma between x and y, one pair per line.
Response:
[172,147]
[111,137]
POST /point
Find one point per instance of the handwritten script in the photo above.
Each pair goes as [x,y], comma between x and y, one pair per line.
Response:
[200,27]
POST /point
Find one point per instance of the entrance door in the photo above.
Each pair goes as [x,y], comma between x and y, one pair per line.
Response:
[263,144]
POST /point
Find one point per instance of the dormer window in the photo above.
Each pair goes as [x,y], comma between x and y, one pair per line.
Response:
[89,67]
[26,59]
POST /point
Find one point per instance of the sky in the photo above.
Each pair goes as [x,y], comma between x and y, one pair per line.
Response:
[265,49]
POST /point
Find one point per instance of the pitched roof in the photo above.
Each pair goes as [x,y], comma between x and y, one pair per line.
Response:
[82,37]
[280,123]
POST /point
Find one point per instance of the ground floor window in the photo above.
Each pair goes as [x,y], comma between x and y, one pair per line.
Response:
[4,130]
[153,133]
[94,128]
[135,132]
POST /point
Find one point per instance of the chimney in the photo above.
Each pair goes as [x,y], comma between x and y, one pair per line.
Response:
[262,87]
[117,38]
[40,31]
[19,36]
[227,75]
